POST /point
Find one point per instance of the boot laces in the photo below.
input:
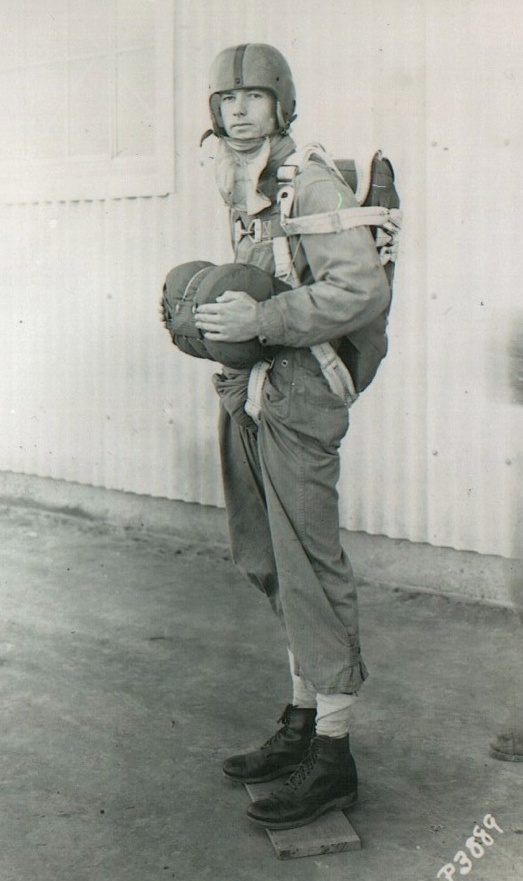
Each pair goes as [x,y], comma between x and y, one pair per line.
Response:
[284,720]
[305,767]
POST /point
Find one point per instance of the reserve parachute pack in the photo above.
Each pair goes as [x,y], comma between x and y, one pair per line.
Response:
[191,284]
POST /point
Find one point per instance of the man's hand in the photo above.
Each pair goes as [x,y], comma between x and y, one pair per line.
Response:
[232,318]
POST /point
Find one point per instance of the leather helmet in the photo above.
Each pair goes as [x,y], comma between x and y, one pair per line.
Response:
[252,65]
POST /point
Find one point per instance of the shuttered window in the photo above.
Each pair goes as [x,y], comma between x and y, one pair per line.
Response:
[86,99]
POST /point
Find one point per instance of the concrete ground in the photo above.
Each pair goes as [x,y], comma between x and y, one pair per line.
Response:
[132,663]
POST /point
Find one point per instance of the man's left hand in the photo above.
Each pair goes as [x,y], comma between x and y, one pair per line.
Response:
[232,318]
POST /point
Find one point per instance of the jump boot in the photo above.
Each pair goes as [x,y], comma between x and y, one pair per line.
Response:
[281,754]
[325,780]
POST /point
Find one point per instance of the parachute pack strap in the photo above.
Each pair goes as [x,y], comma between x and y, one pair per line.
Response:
[288,171]
[253,403]
[345,218]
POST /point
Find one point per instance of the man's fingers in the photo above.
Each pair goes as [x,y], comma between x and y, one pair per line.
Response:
[207,319]
[220,302]
[207,309]
[230,296]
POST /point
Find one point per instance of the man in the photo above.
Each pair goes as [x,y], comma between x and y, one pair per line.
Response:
[280,476]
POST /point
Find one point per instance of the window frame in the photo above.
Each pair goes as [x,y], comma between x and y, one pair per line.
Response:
[93,178]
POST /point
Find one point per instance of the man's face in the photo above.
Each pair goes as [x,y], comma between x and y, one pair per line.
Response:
[248,113]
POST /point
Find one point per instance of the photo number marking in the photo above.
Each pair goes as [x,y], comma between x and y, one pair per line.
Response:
[475,845]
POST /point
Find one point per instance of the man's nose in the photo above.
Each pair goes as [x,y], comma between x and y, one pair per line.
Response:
[240,105]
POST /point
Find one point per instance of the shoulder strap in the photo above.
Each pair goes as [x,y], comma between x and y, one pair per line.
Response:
[287,172]
[362,165]
[296,161]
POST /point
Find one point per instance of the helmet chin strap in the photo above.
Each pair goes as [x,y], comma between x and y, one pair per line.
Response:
[283,126]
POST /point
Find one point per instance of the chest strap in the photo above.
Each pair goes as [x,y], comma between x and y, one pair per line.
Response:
[258,230]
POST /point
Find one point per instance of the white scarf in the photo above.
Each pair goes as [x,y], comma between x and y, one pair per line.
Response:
[238,167]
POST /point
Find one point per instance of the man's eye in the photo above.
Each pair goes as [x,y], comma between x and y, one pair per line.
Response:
[227,98]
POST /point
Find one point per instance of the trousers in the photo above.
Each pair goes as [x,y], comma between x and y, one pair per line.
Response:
[280,485]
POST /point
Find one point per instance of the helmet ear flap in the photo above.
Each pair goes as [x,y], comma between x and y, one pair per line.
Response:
[216,116]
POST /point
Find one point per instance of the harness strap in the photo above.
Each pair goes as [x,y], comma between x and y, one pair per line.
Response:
[284,266]
[253,403]
[335,372]
[387,220]
[346,218]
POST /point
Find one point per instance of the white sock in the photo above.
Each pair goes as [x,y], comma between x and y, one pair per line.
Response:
[334,714]
[303,693]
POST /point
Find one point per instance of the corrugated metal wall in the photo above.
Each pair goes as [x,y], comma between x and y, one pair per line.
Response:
[474,143]
[97,393]
[92,390]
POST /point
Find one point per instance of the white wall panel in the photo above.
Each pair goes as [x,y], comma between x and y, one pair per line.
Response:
[92,390]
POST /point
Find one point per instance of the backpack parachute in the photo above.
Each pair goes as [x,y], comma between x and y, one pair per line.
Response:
[381,193]
[373,185]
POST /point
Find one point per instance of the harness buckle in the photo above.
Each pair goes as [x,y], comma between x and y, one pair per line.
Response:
[258,231]
[254,231]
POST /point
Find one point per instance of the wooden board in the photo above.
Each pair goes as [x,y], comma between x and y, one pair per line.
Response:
[330,833]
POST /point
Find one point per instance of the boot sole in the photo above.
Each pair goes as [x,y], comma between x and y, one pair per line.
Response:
[337,804]
[505,757]
[284,772]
